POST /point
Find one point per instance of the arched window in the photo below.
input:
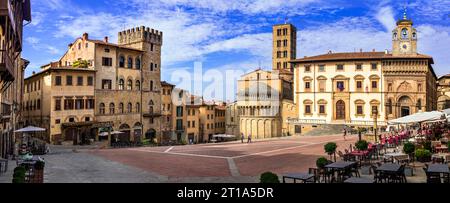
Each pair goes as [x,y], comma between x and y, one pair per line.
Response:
[151,85]
[129,108]
[138,107]
[151,104]
[121,84]
[138,85]
[122,61]
[112,108]
[138,63]
[419,104]
[151,66]
[389,106]
[102,109]
[130,85]
[130,62]
[404,33]
[121,108]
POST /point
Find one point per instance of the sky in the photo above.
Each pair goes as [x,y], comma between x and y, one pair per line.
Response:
[236,34]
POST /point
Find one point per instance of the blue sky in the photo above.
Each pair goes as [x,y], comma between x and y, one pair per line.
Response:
[236,34]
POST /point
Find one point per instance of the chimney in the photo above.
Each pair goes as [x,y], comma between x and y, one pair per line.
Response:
[106,39]
[373,50]
[85,36]
[329,52]
[360,50]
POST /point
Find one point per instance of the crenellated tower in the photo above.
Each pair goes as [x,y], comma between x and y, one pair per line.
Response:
[150,42]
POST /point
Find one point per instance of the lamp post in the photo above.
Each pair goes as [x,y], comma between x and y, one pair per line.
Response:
[375,116]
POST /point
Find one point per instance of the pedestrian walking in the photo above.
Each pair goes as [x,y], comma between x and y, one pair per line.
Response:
[345,134]
[249,138]
[242,137]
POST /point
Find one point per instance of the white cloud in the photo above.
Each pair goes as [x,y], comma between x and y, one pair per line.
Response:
[38,46]
[386,17]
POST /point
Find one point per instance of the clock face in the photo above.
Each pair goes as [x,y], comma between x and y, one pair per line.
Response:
[405,46]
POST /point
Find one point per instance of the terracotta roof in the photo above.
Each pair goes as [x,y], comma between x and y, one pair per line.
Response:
[67,68]
[445,76]
[355,56]
[112,44]
[164,83]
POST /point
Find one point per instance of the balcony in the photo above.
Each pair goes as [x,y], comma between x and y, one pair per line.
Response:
[152,115]
[6,66]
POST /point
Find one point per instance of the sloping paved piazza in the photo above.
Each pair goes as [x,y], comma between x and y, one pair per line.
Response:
[225,162]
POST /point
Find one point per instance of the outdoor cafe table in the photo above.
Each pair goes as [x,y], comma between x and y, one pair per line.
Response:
[340,166]
[442,149]
[395,155]
[359,180]
[438,168]
[389,167]
[444,156]
[298,176]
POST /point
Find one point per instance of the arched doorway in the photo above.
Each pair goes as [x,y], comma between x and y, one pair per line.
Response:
[150,134]
[125,136]
[340,110]
[405,106]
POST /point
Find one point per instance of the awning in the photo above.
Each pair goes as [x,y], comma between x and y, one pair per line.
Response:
[30,129]
[104,134]
[224,136]
[419,118]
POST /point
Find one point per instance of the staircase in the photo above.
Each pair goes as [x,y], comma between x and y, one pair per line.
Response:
[328,129]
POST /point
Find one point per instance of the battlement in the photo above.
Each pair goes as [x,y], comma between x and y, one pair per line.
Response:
[140,34]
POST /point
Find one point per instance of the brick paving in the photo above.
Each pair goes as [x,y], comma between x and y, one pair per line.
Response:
[231,162]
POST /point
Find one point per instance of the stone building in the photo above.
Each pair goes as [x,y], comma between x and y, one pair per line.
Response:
[232,119]
[264,103]
[265,98]
[347,88]
[61,100]
[127,86]
[12,67]
[167,110]
[443,89]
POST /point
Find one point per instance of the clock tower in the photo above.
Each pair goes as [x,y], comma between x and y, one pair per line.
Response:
[404,38]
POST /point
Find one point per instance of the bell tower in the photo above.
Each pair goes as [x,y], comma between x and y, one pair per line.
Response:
[404,38]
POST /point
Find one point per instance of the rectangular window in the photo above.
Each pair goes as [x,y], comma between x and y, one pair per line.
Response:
[179,124]
[68,104]
[57,81]
[308,68]
[374,84]
[358,66]
[193,124]
[107,50]
[69,80]
[308,85]
[106,61]
[189,124]
[90,81]
[308,109]
[57,121]
[340,67]
[322,109]
[90,103]
[106,84]
[321,68]
[374,66]
[80,81]
[340,85]
[358,84]
[179,111]
[322,86]
[151,47]
[79,104]
[359,110]
[57,104]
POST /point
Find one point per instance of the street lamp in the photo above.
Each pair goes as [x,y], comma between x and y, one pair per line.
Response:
[375,116]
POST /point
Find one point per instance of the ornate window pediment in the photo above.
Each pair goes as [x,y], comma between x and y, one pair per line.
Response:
[307,101]
[358,77]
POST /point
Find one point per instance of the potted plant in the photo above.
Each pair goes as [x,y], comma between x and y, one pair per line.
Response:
[269,177]
[423,155]
[361,145]
[409,148]
[330,149]
[321,162]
